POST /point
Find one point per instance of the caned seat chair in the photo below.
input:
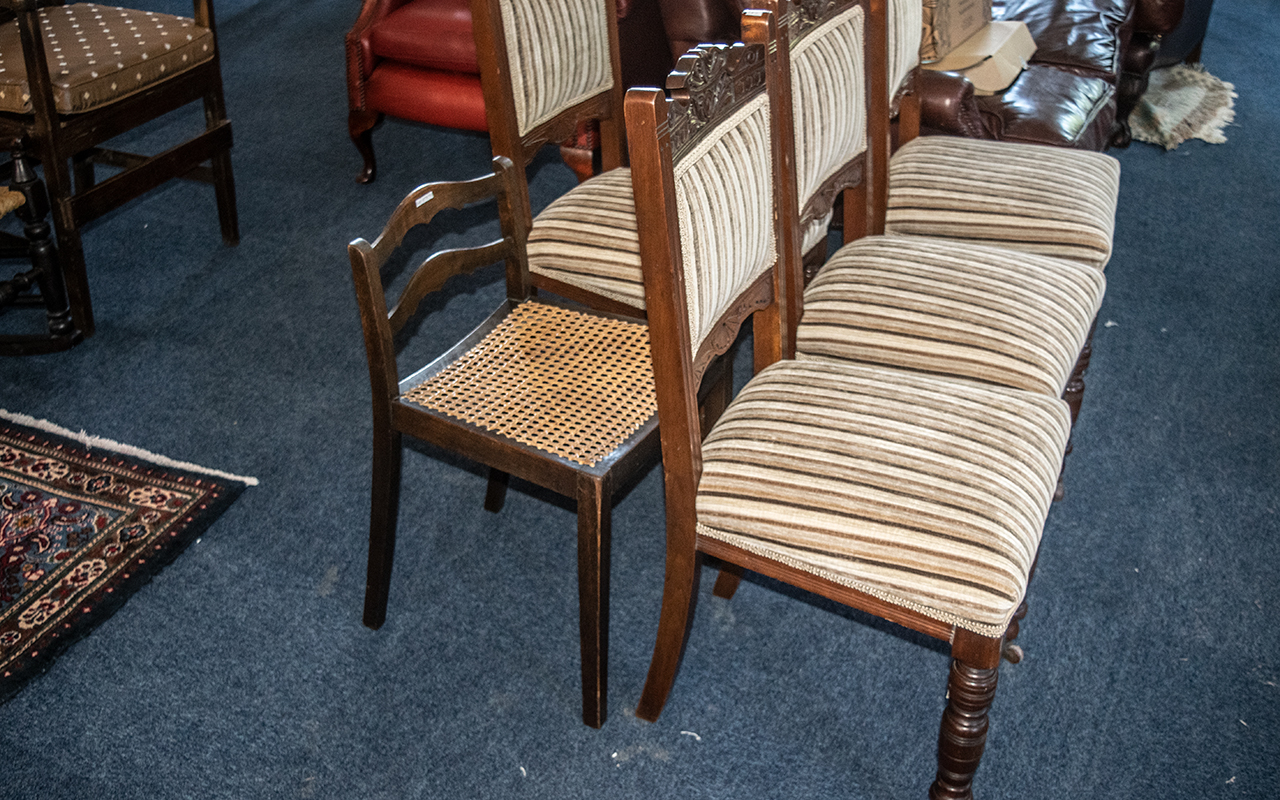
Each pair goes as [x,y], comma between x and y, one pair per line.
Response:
[560,397]
[74,76]
[546,65]
[1046,200]
[889,491]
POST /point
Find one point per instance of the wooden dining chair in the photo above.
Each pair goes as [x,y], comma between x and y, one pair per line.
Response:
[74,76]
[555,395]
[889,491]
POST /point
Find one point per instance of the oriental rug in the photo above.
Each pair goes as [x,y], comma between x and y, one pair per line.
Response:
[85,523]
[1183,102]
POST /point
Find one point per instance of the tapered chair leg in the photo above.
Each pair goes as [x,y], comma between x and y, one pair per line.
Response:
[679,593]
[384,508]
[360,125]
[727,581]
[224,188]
[495,496]
[594,528]
[971,688]
[70,248]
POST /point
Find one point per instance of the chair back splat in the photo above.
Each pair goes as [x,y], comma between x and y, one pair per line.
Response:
[915,498]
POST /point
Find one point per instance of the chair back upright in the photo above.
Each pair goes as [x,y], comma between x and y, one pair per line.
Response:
[706,191]
[545,66]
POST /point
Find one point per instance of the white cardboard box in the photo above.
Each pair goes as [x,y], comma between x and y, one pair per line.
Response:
[992,58]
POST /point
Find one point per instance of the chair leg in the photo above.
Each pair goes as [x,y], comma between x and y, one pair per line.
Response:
[1073,395]
[360,125]
[224,188]
[70,247]
[495,496]
[34,214]
[383,510]
[82,171]
[971,687]
[679,594]
[727,581]
[594,522]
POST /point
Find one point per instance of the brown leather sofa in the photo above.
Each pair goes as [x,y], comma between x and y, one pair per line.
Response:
[1089,70]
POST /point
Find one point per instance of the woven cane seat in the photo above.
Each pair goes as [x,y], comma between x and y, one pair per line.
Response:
[98,54]
[587,239]
[888,482]
[572,384]
[1047,200]
[999,316]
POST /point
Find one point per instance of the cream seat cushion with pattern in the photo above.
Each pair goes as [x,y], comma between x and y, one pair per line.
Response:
[587,238]
[888,482]
[983,313]
[98,54]
[1030,197]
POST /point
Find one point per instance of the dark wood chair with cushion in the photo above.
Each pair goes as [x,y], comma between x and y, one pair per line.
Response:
[903,495]
[72,77]
[559,397]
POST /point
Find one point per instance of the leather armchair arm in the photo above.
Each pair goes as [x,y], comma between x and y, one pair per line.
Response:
[947,104]
[1157,17]
[359,53]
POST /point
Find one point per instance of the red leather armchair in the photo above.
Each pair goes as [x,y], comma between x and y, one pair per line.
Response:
[416,60]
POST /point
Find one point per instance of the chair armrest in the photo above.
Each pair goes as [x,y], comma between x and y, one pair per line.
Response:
[1157,17]
[947,104]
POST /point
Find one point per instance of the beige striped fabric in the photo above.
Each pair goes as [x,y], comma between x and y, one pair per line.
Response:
[893,484]
[1047,200]
[815,232]
[559,54]
[587,238]
[828,100]
[724,204]
[905,29]
[949,308]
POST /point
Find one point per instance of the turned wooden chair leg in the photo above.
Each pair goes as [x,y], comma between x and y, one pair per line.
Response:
[495,496]
[963,735]
[383,510]
[360,125]
[1073,395]
[46,271]
[679,593]
[594,523]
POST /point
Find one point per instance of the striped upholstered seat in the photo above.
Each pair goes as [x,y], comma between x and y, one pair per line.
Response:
[1045,200]
[888,483]
[1048,200]
[587,238]
[1008,318]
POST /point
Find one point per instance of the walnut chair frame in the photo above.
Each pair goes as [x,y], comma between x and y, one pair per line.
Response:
[397,412]
[68,145]
[713,90]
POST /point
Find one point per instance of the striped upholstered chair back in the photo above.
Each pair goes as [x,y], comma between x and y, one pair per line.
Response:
[705,198]
[545,66]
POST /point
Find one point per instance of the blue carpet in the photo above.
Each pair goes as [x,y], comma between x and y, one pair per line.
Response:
[242,670]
